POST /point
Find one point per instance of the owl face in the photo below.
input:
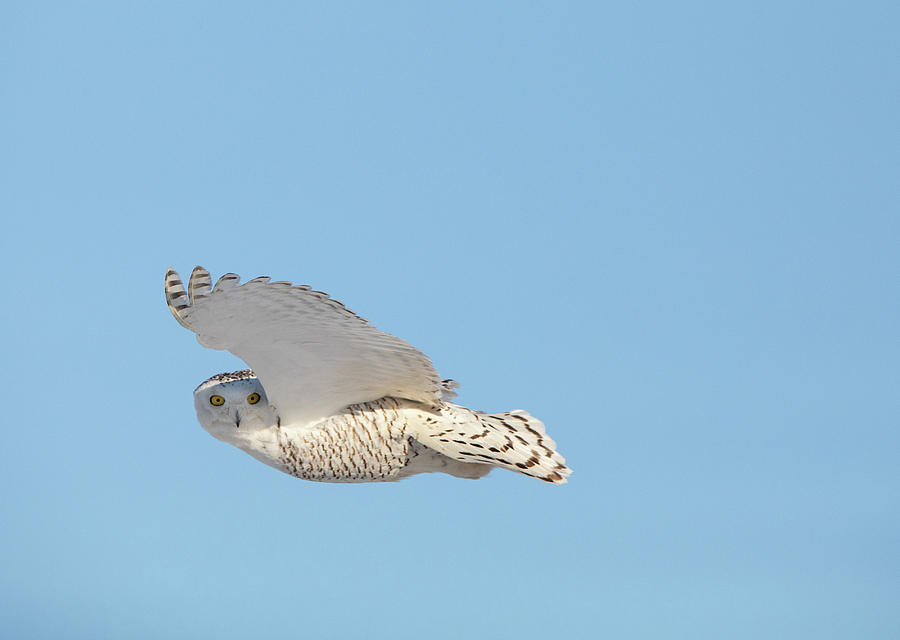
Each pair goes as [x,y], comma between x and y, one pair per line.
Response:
[233,405]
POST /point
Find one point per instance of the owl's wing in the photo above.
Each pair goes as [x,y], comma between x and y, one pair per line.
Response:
[312,355]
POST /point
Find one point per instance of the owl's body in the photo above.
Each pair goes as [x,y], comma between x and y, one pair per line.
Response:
[359,405]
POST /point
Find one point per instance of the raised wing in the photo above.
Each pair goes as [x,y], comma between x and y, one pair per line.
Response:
[312,355]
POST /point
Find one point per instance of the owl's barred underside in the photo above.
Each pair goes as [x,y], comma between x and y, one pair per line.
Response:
[331,398]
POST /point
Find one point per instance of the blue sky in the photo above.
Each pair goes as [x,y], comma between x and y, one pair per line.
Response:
[669,230]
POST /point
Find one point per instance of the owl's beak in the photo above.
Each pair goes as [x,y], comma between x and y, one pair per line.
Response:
[237,419]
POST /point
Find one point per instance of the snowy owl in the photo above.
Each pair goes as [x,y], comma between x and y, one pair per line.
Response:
[331,398]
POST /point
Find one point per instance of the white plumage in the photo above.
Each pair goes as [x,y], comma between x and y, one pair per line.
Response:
[332,398]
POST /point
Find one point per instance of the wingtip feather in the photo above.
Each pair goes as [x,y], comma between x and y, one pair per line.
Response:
[199,285]
[227,281]
[176,296]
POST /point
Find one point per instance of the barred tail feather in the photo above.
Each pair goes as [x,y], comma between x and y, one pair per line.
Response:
[530,441]
[513,440]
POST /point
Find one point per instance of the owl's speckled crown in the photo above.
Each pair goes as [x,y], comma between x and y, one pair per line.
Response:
[243,374]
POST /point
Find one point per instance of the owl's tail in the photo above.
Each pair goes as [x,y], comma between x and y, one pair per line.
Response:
[513,440]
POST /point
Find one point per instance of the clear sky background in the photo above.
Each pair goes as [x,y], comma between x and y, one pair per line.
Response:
[670,230]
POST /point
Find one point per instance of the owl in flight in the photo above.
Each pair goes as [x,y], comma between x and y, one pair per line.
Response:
[331,398]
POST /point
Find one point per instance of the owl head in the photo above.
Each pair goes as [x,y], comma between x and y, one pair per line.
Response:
[233,405]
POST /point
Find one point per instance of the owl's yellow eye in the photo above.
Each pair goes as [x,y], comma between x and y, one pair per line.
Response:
[216,401]
[253,398]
